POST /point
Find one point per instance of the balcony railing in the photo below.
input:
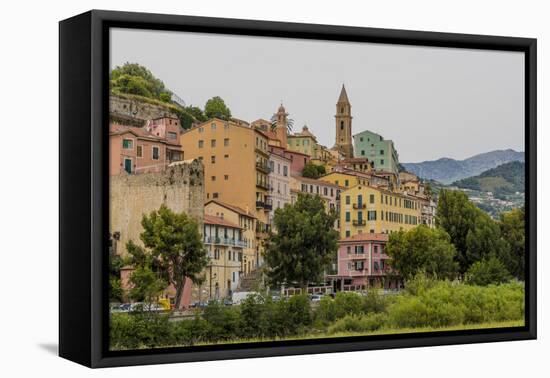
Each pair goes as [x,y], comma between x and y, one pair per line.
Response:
[224,241]
[359,222]
[263,167]
[262,185]
[359,206]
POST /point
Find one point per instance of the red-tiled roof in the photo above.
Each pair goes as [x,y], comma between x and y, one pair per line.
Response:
[211,219]
[365,236]
[232,207]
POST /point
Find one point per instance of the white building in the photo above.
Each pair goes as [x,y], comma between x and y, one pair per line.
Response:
[279,181]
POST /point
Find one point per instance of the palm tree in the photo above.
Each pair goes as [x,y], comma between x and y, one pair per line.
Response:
[289,123]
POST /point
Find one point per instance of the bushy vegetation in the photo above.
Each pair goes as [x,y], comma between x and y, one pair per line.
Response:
[313,171]
[425,303]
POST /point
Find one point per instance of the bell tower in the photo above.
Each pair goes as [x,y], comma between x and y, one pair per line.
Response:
[282,124]
[343,124]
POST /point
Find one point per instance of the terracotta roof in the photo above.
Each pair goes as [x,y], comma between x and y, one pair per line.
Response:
[211,219]
[316,181]
[140,132]
[233,208]
[365,236]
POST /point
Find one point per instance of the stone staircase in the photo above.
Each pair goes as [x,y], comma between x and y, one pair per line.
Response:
[250,281]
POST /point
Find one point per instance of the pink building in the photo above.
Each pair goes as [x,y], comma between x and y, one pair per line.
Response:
[144,149]
[363,263]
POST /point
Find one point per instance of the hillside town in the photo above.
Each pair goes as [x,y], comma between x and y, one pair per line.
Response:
[232,175]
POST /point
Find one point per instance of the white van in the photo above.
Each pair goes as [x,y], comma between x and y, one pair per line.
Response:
[238,297]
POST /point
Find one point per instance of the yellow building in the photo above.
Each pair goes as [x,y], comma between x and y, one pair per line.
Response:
[246,221]
[236,167]
[376,210]
[346,180]
[224,241]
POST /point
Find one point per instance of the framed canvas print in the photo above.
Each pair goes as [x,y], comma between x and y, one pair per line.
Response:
[234,188]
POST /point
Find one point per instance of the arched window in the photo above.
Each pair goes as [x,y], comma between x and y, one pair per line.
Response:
[341,125]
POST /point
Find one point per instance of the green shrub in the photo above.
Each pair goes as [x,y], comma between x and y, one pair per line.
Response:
[374,302]
[139,330]
[358,323]
[222,322]
[348,303]
[325,311]
[488,271]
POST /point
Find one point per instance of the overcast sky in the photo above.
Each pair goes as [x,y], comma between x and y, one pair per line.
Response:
[432,102]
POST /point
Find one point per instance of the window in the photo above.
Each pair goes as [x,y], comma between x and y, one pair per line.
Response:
[348,249]
[201,129]
[359,265]
[139,151]
[381,152]
[363,152]
[226,142]
[325,191]
[341,125]
[226,156]
[348,216]
[172,135]
[213,159]
[361,139]
[213,143]
[213,178]
[201,143]
[346,183]
[348,233]
[285,170]
[381,161]
[371,198]
[348,199]
[226,177]
[214,195]
[371,215]
[213,126]
[156,152]
[127,144]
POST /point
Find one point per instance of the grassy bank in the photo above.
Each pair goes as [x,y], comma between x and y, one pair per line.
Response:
[426,306]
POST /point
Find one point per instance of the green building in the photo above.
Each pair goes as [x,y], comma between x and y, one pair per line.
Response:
[378,150]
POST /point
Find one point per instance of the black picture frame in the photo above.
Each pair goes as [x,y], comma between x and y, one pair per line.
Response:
[83,196]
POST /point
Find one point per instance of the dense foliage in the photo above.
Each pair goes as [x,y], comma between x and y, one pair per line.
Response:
[174,250]
[313,171]
[422,249]
[216,108]
[305,242]
[430,304]
[133,78]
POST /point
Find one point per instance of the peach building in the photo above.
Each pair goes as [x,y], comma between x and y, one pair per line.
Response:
[236,168]
[145,149]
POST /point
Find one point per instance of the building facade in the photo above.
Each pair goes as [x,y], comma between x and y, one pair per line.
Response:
[279,180]
[363,263]
[224,241]
[145,149]
[247,223]
[367,209]
[379,151]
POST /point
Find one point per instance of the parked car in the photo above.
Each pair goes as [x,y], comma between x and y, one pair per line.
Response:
[315,297]
[228,302]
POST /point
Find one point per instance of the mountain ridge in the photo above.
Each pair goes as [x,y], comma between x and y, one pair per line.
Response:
[447,170]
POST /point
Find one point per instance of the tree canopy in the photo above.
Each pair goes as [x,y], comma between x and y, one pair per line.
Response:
[314,171]
[216,108]
[512,228]
[133,78]
[487,271]
[305,243]
[422,249]
[175,244]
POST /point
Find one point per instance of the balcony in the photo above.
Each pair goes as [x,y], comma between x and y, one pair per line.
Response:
[265,168]
[357,206]
[260,204]
[268,205]
[262,185]
[357,256]
[224,241]
[359,222]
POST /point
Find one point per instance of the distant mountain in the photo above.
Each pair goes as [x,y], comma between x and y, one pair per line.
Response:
[446,170]
[505,179]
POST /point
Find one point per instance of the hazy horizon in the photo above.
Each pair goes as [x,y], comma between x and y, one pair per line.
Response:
[432,102]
